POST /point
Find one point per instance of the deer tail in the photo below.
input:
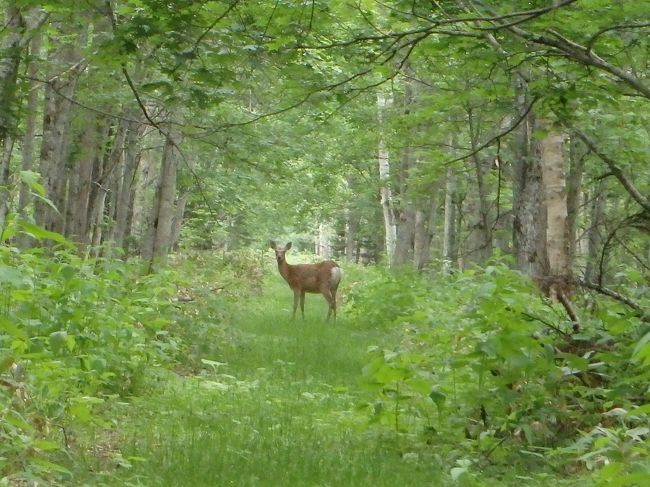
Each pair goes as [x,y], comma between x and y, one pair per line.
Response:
[337,274]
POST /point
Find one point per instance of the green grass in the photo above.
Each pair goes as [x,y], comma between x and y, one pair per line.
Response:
[279,408]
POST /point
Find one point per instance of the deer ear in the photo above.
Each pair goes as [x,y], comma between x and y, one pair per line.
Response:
[273,244]
[288,246]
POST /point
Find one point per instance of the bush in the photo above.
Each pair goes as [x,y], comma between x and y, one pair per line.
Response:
[518,379]
[74,333]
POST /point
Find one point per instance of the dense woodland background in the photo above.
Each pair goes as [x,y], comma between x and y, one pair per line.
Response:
[496,150]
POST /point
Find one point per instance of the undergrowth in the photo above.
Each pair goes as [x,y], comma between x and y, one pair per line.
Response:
[195,375]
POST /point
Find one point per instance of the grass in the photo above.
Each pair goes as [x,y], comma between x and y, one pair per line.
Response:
[274,404]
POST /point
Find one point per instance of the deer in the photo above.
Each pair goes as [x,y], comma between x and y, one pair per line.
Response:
[322,278]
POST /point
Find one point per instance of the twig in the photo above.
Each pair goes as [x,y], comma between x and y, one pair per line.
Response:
[546,323]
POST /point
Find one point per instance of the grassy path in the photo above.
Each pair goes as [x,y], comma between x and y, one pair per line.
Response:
[276,406]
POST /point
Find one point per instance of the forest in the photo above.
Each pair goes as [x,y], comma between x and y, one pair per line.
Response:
[477,171]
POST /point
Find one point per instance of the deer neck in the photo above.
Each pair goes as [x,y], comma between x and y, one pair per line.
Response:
[285,269]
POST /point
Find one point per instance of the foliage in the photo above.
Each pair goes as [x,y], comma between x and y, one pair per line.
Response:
[504,374]
[75,333]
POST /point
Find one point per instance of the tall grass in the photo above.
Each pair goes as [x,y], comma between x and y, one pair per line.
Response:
[273,405]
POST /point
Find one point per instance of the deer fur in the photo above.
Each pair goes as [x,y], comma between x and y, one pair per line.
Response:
[322,278]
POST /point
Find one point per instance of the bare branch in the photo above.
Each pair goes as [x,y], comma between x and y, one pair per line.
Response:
[584,56]
[616,171]
[592,40]
[432,28]
[497,137]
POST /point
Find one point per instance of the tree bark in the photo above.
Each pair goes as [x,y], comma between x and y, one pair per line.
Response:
[478,246]
[551,154]
[574,193]
[80,183]
[10,55]
[529,224]
[24,198]
[390,228]
[425,221]
[126,196]
[177,224]
[163,213]
[449,229]
[594,266]
[57,115]
[351,229]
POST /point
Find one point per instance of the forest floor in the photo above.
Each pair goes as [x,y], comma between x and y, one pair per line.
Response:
[274,404]
[268,402]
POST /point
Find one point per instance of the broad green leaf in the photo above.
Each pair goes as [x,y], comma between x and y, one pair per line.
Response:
[49,466]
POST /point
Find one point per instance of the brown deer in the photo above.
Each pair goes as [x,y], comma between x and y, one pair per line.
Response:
[322,278]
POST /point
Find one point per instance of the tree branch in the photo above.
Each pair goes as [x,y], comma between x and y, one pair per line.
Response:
[593,38]
[498,136]
[612,294]
[616,171]
[584,56]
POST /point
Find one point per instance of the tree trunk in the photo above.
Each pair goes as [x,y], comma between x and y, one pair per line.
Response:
[390,228]
[163,214]
[574,192]
[351,229]
[80,183]
[177,224]
[126,196]
[57,115]
[30,128]
[557,230]
[424,231]
[529,224]
[323,241]
[5,160]
[112,178]
[594,268]
[449,229]
[13,30]
[479,244]
[404,247]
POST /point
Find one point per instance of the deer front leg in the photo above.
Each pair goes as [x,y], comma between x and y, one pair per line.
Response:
[296,296]
[302,304]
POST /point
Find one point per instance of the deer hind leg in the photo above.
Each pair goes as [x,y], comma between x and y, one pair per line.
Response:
[331,300]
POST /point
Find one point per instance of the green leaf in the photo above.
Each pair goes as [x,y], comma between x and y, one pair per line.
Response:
[49,466]
[40,233]
[30,178]
[438,398]
[16,420]
[45,445]
[12,329]
[11,276]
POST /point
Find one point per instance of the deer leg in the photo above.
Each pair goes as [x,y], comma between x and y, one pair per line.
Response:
[331,301]
[296,296]
[302,304]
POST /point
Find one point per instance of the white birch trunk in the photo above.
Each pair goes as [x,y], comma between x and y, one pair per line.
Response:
[323,243]
[554,180]
[390,227]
